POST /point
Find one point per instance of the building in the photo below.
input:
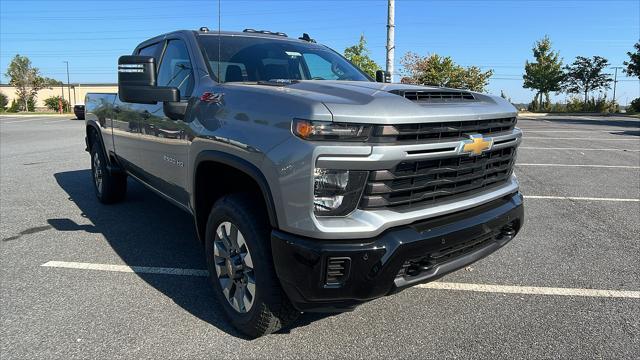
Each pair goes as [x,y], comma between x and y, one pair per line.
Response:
[77,92]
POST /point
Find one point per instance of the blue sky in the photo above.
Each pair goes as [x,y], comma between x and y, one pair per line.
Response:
[495,35]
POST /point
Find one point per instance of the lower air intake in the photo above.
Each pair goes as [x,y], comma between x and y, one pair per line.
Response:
[337,271]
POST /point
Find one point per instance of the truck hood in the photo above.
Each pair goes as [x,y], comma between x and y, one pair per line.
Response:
[375,103]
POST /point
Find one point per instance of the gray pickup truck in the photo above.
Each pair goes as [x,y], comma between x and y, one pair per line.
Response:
[312,186]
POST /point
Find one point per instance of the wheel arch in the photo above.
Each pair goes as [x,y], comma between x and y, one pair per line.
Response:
[213,158]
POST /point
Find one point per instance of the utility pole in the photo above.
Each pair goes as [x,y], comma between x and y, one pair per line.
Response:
[391,13]
[68,85]
[615,82]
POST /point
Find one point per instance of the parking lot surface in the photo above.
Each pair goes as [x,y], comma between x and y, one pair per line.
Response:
[567,287]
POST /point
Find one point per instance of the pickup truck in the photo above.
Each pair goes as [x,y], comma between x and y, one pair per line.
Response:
[312,186]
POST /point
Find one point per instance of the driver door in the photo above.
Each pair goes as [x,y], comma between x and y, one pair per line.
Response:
[165,141]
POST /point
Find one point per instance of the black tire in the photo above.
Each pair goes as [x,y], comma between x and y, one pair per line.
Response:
[270,310]
[113,186]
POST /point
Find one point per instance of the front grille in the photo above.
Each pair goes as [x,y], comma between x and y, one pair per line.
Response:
[428,181]
[440,131]
[417,266]
[425,263]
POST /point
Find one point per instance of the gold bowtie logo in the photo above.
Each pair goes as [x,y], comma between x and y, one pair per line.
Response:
[476,145]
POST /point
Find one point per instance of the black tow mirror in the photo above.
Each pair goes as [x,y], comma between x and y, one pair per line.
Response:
[382,76]
[137,81]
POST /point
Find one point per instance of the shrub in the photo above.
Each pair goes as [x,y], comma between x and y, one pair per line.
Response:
[53,102]
[575,104]
[634,106]
[14,108]
[31,104]
[4,101]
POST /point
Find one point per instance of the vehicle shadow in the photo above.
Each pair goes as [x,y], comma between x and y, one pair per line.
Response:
[146,230]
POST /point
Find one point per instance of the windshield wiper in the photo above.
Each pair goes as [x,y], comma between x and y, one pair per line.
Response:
[278,82]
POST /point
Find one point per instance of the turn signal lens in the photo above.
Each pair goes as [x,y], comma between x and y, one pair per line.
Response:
[303,128]
[330,131]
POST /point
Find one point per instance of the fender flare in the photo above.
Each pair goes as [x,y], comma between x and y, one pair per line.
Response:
[244,166]
[112,167]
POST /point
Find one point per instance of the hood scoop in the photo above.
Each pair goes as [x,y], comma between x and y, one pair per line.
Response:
[435,96]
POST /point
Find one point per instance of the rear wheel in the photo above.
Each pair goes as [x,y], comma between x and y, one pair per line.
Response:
[109,187]
[241,268]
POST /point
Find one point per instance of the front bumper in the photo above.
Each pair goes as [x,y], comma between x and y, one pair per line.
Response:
[396,259]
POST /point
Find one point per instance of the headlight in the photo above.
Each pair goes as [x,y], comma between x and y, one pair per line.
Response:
[337,192]
[327,130]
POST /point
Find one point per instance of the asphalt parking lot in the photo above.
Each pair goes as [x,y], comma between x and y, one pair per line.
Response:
[567,287]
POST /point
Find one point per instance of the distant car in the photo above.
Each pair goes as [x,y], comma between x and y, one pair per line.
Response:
[79,111]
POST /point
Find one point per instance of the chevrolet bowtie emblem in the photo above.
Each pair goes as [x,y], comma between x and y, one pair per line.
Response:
[476,145]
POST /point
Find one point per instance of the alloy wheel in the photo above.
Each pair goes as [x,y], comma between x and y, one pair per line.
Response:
[234,267]
[97,172]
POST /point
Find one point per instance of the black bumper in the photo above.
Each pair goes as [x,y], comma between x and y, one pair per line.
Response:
[337,275]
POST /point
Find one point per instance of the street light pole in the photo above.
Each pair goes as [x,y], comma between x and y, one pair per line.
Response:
[391,14]
[68,85]
[615,82]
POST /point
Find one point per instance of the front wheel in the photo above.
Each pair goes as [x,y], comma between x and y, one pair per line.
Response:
[241,267]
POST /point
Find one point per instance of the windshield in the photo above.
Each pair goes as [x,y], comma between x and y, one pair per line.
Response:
[251,59]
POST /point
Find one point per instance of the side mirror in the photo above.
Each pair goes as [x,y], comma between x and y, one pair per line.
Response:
[382,76]
[137,81]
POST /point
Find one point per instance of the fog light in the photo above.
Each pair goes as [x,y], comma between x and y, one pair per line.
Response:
[337,192]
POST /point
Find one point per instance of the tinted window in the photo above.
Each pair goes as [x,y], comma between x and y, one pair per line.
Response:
[151,50]
[320,68]
[246,58]
[175,68]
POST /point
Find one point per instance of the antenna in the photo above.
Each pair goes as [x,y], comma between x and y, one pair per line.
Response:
[219,40]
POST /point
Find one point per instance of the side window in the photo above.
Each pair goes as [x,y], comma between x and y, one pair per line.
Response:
[175,68]
[151,50]
[319,68]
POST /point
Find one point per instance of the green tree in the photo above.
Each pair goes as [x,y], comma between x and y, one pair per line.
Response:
[442,71]
[4,101]
[634,106]
[633,65]
[504,96]
[53,102]
[585,75]
[27,80]
[14,107]
[545,75]
[359,55]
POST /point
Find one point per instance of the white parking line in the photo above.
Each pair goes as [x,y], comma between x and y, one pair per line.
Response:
[19,121]
[577,131]
[127,269]
[525,290]
[581,165]
[569,148]
[532,290]
[578,198]
[593,138]
[56,121]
